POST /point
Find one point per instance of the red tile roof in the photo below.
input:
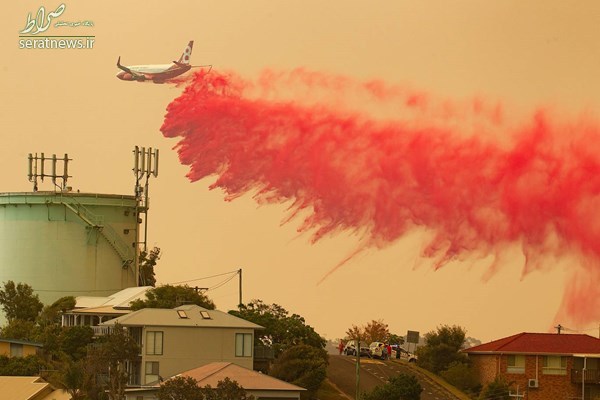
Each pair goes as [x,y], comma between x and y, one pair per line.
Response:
[541,343]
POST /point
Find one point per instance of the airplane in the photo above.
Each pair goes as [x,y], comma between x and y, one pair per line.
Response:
[158,73]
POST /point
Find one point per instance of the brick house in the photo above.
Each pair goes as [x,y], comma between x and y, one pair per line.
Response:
[542,366]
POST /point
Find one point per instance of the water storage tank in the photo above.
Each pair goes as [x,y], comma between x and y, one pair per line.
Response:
[69,244]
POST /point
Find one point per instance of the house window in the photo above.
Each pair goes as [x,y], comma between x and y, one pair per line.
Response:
[152,371]
[154,343]
[555,365]
[16,350]
[516,364]
[243,345]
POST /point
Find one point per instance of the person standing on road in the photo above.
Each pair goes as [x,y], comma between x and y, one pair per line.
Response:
[341,347]
[384,352]
[389,350]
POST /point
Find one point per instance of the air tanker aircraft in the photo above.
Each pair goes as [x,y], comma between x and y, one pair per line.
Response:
[157,73]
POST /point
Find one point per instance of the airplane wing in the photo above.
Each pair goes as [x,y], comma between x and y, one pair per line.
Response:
[129,71]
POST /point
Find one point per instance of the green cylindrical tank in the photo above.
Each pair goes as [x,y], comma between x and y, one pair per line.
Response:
[69,244]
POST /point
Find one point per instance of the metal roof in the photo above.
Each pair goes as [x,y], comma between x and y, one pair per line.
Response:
[171,317]
[540,343]
[120,299]
[212,373]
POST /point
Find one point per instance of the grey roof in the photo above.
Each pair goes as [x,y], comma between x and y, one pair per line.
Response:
[24,342]
[170,317]
[120,299]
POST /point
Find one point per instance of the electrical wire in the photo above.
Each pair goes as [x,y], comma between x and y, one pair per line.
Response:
[206,277]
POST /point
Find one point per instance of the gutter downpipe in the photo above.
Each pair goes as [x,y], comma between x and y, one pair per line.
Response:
[583,378]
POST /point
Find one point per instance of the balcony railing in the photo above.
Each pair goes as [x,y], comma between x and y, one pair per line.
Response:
[591,376]
[101,330]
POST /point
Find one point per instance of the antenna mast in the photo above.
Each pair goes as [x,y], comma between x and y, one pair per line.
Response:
[145,163]
[36,162]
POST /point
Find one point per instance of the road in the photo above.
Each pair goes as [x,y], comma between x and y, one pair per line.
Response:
[342,372]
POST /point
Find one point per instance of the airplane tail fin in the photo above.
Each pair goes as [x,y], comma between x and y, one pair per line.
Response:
[187,53]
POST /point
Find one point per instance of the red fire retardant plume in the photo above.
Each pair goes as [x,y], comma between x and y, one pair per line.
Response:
[457,170]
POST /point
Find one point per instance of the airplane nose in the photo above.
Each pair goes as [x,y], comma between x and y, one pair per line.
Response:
[124,76]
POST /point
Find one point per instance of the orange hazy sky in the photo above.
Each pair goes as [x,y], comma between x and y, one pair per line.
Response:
[523,54]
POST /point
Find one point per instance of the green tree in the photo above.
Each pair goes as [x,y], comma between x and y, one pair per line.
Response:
[169,296]
[498,389]
[282,330]
[180,388]
[110,354]
[226,389]
[395,339]
[147,262]
[74,341]
[20,329]
[302,365]
[442,348]
[52,314]
[463,376]
[21,366]
[399,387]
[70,376]
[19,302]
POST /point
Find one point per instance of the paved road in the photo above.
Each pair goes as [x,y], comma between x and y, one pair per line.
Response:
[342,372]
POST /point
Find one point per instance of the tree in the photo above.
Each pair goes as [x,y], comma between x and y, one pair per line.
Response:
[374,331]
[180,388]
[498,389]
[186,388]
[169,296]
[148,261]
[19,302]
[110,355]
[20,329]
[399,387]
[463,376]
[52,314]
[395,339]
[75,341]
[302,365]
[225,390]
[21,366]
[442,348]
[282,330]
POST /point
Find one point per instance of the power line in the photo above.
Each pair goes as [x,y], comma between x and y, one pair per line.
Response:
[206,277]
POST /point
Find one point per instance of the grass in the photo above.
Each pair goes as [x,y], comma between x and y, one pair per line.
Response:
[440,381]
[328,391]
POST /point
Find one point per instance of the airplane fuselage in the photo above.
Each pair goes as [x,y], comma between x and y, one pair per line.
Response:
[156,72]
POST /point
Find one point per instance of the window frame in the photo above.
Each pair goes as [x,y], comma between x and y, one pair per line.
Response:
[245,347]
[152,350]
[151,374]
[551,368]
[518,365]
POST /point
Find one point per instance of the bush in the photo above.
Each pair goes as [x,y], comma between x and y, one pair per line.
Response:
[399,387]
[463,376]
[302,365]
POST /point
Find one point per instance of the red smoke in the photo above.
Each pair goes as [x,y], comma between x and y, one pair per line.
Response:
[457,169]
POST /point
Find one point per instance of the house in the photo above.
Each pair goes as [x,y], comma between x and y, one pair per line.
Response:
[93,310]
[542,365]
[183,338]
[29,388]
[257,384]
[18,348]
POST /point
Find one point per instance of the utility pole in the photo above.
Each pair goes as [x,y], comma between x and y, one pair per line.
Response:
[240,273]
[357,396]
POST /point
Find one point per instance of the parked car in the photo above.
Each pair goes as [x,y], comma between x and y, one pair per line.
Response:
[405,355]
[376,349]
[350,349]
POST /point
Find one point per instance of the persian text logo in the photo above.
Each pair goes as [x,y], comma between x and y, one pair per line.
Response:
[29,37]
